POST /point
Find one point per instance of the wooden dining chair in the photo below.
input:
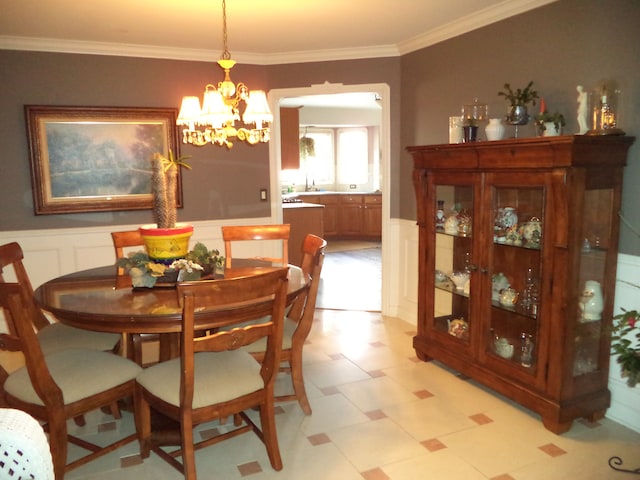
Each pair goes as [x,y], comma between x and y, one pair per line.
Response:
[62,385]
[298,323]
[125,239]
[133,341]
[53,336]
[214,377]
[239,233]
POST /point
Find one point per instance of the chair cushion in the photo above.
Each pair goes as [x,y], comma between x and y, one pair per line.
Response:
[78,373]
[219,376]
[57,336]
[287,335]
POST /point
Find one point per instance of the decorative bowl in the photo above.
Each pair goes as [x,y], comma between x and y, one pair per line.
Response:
[441,276]
[460,279]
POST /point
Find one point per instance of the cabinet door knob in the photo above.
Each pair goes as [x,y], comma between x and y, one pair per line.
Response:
[484,270]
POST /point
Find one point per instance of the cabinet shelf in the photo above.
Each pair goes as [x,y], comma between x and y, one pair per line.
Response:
[516,310]
[507,244]
[555,195]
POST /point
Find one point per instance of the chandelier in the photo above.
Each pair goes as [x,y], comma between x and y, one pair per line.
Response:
[215,121]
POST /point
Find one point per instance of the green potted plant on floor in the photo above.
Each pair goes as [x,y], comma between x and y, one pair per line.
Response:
[625,343]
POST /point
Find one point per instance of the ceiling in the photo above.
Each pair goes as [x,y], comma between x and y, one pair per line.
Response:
[259,31]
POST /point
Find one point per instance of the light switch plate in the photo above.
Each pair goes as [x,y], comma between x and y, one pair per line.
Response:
[263,194]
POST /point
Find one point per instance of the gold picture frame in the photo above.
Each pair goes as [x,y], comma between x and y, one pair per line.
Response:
[96,159]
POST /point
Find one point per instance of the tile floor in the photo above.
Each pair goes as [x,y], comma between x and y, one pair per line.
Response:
[379,413]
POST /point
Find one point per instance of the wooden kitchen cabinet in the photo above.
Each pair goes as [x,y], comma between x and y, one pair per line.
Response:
[372,221]
[304,218]
[530,227]
[331,206]
[351,215]
[289,138]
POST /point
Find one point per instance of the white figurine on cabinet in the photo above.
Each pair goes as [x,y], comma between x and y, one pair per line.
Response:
[582,110]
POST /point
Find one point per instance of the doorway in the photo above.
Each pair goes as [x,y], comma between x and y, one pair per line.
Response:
[279,96]
[343,260]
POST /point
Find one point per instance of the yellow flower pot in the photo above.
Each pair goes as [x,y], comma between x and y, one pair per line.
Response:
[165,245]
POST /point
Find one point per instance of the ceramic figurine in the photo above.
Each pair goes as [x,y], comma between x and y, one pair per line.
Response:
[582,110]
[451,223]
[591,302]
[532,232]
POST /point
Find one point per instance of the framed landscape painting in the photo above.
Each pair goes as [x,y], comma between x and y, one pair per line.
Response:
[92,159]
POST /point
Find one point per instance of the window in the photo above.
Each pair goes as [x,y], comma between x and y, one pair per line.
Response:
[320,168]
[353,156]
[341,158]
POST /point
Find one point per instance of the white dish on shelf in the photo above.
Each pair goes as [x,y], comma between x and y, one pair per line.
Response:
[460,279]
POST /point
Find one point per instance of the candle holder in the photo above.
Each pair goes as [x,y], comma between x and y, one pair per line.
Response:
[606,103]
[472,115]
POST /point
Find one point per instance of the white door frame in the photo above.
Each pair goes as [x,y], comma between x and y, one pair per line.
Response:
[381,89]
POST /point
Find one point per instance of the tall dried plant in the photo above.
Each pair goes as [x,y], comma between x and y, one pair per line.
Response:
[164,186]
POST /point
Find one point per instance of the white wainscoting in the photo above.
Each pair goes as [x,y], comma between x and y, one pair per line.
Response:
[51,253]
[625,401]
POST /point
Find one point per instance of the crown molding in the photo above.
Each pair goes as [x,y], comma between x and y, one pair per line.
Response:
[478,19]
[149,51]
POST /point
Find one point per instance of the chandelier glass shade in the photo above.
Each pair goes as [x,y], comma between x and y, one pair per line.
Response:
[215,121]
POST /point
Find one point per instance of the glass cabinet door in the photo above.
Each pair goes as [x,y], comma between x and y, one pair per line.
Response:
[594,236]
[515,265]
[454,229]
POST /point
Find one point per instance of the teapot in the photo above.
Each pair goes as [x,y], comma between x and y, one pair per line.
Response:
[503,348]
[508,297]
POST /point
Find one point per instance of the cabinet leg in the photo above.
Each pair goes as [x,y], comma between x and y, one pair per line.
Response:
[596,416]
[422,356]
[555,426]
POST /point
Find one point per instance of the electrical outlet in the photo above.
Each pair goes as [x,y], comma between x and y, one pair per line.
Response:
[263,194]
[353,186]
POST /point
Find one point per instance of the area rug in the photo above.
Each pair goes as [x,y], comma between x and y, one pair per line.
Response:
[351,280]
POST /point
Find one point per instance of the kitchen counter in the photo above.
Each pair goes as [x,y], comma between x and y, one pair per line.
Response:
[304,218]
[301,205]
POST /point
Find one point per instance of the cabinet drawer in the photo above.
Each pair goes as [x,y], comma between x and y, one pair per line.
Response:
[328,199]
[512,157]
[449,156]
[351,199]
[373,199]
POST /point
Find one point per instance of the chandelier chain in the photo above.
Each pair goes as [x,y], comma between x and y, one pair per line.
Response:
[225,54]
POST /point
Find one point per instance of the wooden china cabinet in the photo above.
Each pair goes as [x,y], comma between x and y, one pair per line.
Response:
[533,225]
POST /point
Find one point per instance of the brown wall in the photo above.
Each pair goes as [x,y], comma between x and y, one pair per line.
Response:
[222,183]
[558,46]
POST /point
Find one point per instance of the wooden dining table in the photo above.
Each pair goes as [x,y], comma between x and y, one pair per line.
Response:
[99,299]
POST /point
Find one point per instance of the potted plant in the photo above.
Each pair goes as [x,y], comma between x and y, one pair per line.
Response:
[196,264]
[144,272]
[209,260]
[626,326]
[549,124]
[166,240]
[519,100]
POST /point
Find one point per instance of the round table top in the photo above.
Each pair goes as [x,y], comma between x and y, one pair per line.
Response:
[98,299]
